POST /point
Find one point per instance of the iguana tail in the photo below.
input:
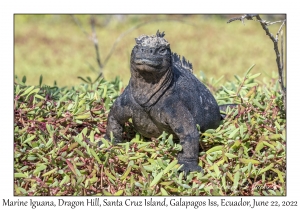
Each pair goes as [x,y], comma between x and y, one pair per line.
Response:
[223,108]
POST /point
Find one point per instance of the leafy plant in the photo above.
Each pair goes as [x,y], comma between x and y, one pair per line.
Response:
[56,131]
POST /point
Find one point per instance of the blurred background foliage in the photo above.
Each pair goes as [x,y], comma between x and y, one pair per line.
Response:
[57,48]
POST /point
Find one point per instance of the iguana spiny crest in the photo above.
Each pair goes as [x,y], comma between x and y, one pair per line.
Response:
[157,41]
[153,40]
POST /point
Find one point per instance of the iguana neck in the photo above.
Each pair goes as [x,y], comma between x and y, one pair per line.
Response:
[147,88]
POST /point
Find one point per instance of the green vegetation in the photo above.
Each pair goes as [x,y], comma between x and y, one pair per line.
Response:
[56,131]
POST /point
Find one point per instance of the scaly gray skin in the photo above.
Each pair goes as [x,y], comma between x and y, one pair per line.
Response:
[164,95]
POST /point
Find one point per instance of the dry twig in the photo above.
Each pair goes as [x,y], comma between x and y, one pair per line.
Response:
[279,56]
[95,40]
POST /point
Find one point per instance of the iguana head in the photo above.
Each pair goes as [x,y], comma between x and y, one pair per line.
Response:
[151,54]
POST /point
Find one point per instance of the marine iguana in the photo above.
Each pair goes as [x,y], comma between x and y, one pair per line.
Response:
[164,95]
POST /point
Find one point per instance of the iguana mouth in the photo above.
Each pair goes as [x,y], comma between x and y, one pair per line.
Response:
[143,61]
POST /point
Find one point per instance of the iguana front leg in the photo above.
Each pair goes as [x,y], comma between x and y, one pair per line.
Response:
[114,128]
[119,114]
[189,155]
[182,123]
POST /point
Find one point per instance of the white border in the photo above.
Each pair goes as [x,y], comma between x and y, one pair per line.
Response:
[8,8]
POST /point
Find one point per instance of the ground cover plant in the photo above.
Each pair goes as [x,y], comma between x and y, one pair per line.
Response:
[56,131]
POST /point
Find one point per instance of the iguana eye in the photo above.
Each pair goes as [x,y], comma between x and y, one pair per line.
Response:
[163,50]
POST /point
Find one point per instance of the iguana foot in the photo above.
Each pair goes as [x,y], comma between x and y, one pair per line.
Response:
[189,166]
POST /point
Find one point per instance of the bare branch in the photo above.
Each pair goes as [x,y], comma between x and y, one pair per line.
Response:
[279,61]
[242,18]
[268,23]
[279,65]
[95,40]
[79,25]
[251,16]
[279,57]
[282,64]
[280,29]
